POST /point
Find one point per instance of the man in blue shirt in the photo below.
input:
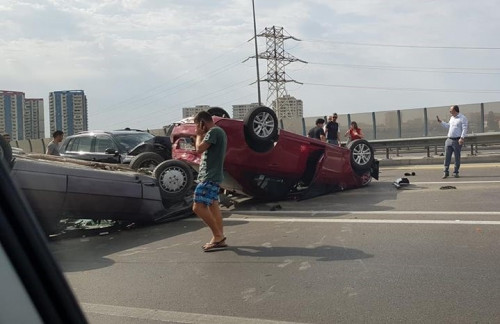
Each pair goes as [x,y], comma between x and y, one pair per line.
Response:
[457,130]
[211,142]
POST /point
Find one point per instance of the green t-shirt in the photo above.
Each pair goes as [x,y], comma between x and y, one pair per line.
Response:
[212,160]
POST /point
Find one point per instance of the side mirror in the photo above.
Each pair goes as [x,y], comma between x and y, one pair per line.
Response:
[111,151]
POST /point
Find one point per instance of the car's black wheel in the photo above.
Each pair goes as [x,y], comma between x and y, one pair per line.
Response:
[261,127]
[5,151]
[219,112]
[175,178]
[147,160]
[361,155]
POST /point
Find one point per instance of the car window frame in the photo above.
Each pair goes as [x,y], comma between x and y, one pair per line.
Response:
[111,139]
[26,246]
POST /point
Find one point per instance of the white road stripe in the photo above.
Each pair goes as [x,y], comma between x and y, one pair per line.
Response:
[170,316]
[358,212]
[362,221]
[492,165]
[455,182]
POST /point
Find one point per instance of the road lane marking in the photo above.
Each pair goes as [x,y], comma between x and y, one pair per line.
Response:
[362,221]
[456,182]
[357,212]
[241,216]
[171,316]
[440,166]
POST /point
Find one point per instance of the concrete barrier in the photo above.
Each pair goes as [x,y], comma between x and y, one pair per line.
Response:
[38,146]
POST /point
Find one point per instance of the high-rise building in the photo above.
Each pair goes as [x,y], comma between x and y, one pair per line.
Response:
[11,114]
[239,111]
[288,107]
[68,111]
[34,121]
[191,111]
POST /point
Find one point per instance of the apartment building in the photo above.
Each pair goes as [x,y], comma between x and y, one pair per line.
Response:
[288,107]
[68,111]
[11,114]
[239,111]
[191,111]
[34,120]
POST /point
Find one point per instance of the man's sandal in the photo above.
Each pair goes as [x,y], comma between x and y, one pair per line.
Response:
[215,246]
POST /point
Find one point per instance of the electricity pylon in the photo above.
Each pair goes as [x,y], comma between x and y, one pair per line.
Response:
[277,58]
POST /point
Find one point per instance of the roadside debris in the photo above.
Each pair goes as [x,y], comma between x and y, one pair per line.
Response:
[401,182]
[447,187]
[275,207]
[409,174]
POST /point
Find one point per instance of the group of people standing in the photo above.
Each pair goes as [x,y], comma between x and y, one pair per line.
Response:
[457,130]
[330,132]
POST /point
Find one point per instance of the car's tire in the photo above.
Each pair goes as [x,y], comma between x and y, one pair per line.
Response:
[148,160]
[261,128]
[175,178]
[362,155]
[219,112]
[5,151]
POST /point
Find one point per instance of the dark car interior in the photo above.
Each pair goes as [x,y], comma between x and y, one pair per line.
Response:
[49,297]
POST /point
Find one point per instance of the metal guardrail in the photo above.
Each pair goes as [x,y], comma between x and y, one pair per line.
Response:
[490,138]
[436,141]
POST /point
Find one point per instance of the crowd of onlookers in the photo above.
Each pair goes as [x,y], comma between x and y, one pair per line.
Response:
[330,132]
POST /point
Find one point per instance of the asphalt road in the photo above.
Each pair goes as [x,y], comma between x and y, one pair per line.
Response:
[375,254]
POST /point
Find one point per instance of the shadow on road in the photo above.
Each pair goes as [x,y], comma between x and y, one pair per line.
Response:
[89,253]
[321,253]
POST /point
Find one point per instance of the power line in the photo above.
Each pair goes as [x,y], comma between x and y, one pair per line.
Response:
[401,89]
[162,94]
[170,111]
[413,68]
[402,45]
[151,90]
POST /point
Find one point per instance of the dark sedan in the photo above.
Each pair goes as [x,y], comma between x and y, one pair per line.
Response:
[60,188]
[137,148]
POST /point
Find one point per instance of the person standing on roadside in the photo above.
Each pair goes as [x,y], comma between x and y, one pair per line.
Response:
[53,147]
[332,131]
[317,132]
[211,142]
[457,130]
[354,132]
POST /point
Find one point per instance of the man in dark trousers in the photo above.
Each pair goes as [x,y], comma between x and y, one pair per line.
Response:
[317,132]
[332,130]
[457,130]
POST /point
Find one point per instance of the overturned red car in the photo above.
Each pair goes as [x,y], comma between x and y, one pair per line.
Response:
[268,163]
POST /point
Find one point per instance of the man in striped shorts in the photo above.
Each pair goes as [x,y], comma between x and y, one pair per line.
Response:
[211,142]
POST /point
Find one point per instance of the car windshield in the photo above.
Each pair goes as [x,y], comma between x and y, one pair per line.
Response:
[131,140]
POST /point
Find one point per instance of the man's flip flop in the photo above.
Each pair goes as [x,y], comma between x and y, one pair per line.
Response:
[215,246]
[208,243]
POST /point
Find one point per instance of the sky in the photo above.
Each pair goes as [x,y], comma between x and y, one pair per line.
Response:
[141,61]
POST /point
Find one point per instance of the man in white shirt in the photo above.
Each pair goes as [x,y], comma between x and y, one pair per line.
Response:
[457,130]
